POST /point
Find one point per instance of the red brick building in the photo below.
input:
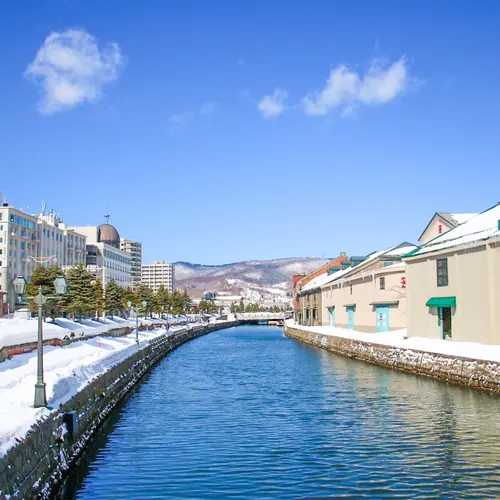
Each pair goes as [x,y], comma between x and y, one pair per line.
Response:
[301,280]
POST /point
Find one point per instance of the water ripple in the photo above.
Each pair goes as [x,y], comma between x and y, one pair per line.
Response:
[247,413]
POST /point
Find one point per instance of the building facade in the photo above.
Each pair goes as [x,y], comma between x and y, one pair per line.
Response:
[59,244]
[159,273]
[299,281]
[105,260]
[19,249]
[369,296]
[453,283]
[134,249]
[442,222]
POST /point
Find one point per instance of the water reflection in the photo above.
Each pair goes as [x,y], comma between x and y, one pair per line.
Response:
[248,413]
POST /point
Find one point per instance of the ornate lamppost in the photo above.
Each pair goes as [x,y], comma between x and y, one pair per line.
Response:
[61,286]
[136,310]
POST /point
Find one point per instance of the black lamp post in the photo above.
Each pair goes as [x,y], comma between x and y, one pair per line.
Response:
[61,286]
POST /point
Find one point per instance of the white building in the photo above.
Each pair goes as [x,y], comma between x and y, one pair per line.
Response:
[105,260]
[134,249]
[58,243]
[19,244]
[159,273]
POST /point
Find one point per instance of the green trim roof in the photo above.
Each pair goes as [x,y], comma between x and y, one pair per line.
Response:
[442,302]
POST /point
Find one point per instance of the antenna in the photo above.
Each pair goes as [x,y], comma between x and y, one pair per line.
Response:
[44,207]
[107,218]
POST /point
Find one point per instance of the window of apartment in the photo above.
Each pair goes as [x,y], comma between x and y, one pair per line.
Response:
[442,272]
[382,283]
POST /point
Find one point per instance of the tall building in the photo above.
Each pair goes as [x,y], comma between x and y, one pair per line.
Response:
[58,243]
[159,273]
[27,241]
[134,249]
[19,247]
[105,259]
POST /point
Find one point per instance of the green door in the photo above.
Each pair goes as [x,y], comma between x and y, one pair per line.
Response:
[331,316]
[382,313]
[350,317]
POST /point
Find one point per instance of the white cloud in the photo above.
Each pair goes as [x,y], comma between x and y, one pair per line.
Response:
[273,105]
[71,69]
[208,108]
[180,120]
[346,89]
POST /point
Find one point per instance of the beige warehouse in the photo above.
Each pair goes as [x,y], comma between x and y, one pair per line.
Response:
[453,283]
[371,296]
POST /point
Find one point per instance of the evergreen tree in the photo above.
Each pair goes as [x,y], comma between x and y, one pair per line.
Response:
[242,306]
[99,301]
[187,303]
[144,293]
[177,302]
[44,277]
[113,298]
[79,300]
[128,295]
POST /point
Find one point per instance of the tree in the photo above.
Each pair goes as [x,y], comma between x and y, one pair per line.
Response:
[113,298]
[99,301]
[144,293]
[187,303]
[207,307]
[242,306]
[128,295]
[44,277]
[79,300]
[162,300]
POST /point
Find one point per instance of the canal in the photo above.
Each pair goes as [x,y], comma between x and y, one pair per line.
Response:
[248,413]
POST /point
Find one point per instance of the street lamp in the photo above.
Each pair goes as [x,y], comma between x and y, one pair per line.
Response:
[136,310]
[60,286]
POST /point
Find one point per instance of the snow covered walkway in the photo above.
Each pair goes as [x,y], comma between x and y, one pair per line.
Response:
[67,370]
[399,338]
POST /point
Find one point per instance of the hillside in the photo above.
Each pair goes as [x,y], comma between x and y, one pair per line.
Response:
[255,279]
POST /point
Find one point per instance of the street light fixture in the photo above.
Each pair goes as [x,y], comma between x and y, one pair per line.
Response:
[136,310]
[61,286]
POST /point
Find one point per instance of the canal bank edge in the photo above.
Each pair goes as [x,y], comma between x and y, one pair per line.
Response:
[476,374]
[38,464]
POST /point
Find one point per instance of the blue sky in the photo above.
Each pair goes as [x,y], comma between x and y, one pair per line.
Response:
[223,131]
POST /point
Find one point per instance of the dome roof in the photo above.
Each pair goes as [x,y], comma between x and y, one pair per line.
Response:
[109,235]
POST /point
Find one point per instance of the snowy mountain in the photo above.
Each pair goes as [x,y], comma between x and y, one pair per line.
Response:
[254,279]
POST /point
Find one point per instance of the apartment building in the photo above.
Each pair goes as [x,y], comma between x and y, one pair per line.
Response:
[19,248]
[134,249]
[159,273]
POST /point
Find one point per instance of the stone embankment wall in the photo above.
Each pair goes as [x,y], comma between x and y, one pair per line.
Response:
[477,374]
[35,467]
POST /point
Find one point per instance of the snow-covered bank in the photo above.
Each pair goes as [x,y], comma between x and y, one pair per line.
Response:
[399,338]
[67,370]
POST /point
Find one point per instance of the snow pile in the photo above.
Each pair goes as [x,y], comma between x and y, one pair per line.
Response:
[398,338]
[67,370]
[22,331]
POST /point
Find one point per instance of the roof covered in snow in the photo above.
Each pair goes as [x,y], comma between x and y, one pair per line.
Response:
[456,219]
[479,227]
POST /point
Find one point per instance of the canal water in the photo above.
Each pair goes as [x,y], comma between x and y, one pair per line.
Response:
[247,413]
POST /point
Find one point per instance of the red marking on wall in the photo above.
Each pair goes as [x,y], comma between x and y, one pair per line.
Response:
[403,282]
[440,229]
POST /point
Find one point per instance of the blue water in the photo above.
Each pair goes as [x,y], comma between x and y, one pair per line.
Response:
[248,413]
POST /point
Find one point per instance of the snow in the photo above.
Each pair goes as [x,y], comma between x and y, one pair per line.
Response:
[477,228]
[67,370]
[398,338]
[21,331]
[461,218]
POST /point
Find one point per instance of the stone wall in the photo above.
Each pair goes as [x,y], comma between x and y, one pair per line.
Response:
[482,375]
[36,466]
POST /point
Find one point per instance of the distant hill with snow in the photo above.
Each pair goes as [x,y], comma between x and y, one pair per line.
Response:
[254,279]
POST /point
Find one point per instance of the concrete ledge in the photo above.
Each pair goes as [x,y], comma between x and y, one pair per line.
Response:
[37,465]
[476,374]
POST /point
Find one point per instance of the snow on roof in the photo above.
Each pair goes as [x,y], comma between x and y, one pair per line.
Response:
[314,283]
[461,218]
[336,275]
[477,228]
[400,251]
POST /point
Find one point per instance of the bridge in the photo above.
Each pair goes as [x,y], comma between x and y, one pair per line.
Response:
[263,317]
